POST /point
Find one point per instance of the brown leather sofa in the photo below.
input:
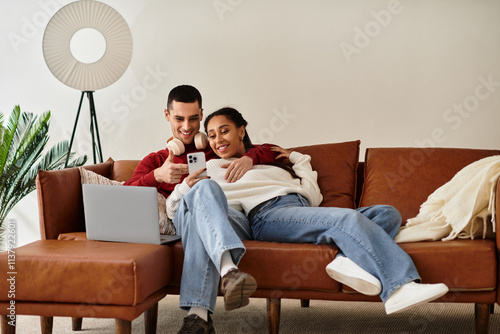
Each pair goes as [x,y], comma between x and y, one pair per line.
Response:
[402,177]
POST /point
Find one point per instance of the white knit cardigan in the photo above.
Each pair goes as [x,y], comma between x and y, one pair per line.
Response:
[261,183]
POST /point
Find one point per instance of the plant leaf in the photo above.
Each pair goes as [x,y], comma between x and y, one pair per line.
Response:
[8,133]
[24,138]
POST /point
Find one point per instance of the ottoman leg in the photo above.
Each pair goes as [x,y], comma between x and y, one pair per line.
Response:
[76,324]
[151,319]
[6,328]
[482,318]
[123,326]
[46,324]
[273,315]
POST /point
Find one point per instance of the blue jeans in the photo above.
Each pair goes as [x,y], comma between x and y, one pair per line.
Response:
[208,228]
[365,235]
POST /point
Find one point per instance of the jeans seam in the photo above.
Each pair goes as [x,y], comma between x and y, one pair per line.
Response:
[214,232]
[395,287]
[374,256]
[217,237]
[201,296]
[186,305]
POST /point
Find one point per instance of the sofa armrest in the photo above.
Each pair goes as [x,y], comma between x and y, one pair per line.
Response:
[60,202]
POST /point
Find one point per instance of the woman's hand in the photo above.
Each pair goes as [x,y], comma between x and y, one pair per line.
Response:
[192,179]
[283,153]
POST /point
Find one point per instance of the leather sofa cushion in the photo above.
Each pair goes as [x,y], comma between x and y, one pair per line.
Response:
[123,169]
[463,265]
[89,272]
[79,236]
[336,165]
[279,265]
[405,177]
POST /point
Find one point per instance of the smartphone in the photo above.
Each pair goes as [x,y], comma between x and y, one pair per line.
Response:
[196,161]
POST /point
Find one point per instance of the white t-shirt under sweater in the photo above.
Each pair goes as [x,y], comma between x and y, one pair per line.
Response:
[259,184]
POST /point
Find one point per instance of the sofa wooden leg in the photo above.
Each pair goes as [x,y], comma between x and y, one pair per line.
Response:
[151,319]
[482,317]
[46,324]
[123,326]
[273,315]
[304,302]
[6,327]
[76,324]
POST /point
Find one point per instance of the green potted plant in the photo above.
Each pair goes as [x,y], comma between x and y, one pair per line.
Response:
[23,138]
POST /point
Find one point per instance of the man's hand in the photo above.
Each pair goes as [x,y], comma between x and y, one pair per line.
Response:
[170,172]
[237,168]
[285,154]
[192,179]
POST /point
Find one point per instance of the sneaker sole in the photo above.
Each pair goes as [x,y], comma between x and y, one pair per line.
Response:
[356,283]
[414,302]
[238,294]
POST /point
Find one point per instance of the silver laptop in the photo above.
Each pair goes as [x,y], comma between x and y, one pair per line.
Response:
[123,214]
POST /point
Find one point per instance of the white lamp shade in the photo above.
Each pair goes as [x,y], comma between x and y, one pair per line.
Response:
[59,58]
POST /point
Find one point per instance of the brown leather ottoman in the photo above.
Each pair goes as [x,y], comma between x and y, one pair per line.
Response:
[84,279]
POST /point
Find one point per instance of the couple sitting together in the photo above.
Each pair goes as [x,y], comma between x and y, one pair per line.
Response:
[250,193]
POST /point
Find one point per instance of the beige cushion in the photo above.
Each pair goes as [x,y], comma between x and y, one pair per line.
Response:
[166,226]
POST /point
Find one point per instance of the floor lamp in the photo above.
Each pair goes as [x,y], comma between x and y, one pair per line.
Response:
[87,26]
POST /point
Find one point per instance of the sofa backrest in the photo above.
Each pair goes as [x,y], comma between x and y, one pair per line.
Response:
[405,177]
[336,165]
[402,177]
[123,169]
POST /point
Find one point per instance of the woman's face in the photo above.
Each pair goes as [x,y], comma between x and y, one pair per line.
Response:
[225,137]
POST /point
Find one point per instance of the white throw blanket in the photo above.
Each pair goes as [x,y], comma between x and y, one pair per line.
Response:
[462,208]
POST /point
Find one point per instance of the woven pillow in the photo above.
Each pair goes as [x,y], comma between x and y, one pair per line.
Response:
[166,226]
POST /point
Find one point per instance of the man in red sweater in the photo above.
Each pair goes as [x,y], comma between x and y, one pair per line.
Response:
[209,255]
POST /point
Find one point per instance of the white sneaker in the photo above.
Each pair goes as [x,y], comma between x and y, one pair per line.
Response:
[412,294]
[345,271]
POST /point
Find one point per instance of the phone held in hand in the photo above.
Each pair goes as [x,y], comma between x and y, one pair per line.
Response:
[196,161]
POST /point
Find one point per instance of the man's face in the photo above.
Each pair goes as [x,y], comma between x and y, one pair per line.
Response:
[185,120]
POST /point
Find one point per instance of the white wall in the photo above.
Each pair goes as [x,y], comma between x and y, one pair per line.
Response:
[390,73]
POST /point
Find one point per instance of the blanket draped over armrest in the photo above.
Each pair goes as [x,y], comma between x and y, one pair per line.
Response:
[462,208]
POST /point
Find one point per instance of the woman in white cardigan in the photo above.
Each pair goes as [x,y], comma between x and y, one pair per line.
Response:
[282,205]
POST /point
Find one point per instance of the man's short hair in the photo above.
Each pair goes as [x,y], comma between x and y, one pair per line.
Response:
[185,94]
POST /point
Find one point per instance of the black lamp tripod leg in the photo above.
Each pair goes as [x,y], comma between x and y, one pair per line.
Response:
[94,130]
[74,129]
[93,125]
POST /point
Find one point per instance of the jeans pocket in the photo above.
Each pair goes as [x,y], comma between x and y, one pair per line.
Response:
[268,205]
[303,201]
